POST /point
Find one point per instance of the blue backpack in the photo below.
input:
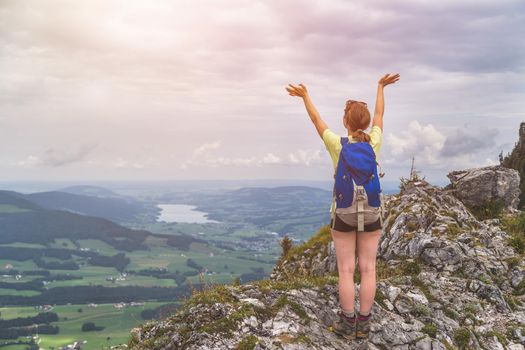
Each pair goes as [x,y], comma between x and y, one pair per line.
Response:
[357,191]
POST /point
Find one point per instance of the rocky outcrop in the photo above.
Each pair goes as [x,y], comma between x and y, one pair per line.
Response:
[478,186]
[268,317]
[446,280]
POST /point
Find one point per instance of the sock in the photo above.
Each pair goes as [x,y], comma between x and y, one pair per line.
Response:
[349,314]
[364,317]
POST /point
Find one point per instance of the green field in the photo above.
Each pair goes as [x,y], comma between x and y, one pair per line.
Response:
[223,267]
[117,323]
[5,291]
[10,208]
[230,249]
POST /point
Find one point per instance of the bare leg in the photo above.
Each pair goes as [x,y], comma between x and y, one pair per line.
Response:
[345,244]
[367,244]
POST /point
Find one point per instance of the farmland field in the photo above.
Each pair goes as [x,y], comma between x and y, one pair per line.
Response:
[117,323]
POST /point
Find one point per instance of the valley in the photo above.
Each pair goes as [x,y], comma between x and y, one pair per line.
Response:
[61,252]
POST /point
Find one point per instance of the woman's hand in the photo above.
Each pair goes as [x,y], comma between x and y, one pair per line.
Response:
[388,79]
[300,90]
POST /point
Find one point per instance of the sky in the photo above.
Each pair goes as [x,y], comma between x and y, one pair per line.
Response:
[168,90]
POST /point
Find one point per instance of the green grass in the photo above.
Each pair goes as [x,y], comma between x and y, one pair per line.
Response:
[320,239]
[462,337]
[488,210]
[117,323]
[159,256]
[10,208]
[430,329]
[14,347]
[248,343]
[24,245]
[515,226]
[63,243]
[18,265]
[97,246]
[25,293]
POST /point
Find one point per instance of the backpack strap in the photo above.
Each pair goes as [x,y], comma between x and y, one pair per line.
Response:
[382,210]
[332,214]
[343,140]
[334,201]
[333,219]
[381,172]
[360,198]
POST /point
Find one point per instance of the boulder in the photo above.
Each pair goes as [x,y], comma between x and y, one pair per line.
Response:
[477,186]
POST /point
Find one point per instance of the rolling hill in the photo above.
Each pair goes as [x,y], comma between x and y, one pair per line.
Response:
[115,208]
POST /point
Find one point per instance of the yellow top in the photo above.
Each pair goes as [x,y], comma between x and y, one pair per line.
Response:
[332,142]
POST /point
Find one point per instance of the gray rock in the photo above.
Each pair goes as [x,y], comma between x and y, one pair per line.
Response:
[480,185]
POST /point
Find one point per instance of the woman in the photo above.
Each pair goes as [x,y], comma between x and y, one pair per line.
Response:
[347,240]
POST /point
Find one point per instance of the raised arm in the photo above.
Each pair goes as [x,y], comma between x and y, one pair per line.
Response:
[380,99]
[302,92]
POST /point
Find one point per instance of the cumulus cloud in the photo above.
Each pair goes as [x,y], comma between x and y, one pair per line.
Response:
[422,141]
[460,147]
[305,156]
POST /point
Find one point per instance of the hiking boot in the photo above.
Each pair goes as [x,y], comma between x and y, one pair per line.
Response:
[363,325]
[345,326]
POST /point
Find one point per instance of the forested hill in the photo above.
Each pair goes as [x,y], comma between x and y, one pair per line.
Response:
[101,204]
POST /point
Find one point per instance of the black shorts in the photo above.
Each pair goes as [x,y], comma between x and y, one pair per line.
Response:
[342,226]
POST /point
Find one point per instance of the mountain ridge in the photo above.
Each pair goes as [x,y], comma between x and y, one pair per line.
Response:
[446,280]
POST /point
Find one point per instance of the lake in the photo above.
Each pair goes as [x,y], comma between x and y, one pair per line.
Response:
[182,213]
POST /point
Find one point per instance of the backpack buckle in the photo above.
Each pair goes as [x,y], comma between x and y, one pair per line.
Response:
[360,193]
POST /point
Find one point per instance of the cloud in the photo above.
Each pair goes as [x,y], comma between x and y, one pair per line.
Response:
[421,141]
[125,163]
[203,157]
[53,157]
[29,162]
[469,140]
[164,73]
[305,157]
[270,158]
[461,147]
[206,147]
